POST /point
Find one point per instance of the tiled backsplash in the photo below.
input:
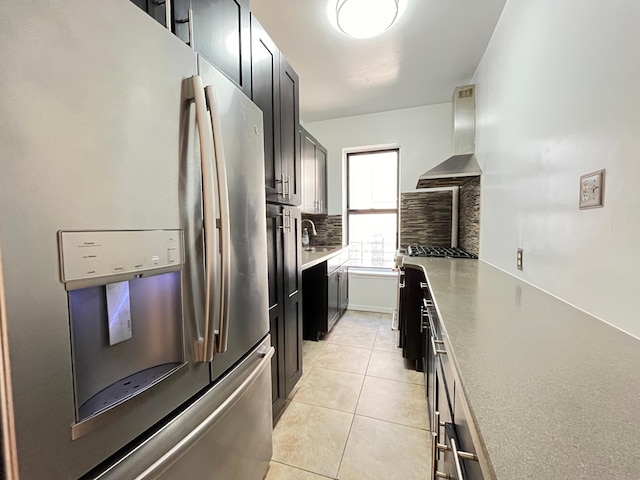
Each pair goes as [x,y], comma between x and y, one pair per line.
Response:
[469,217]
[425,219]
[329,229]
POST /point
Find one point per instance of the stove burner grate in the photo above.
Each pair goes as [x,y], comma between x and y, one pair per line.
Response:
[444,252]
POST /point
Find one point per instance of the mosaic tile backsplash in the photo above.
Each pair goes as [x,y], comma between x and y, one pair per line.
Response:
[469,217]
[425,219]
[329,229]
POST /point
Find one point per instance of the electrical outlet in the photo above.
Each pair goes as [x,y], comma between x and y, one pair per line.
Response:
[592,190]
[519,259]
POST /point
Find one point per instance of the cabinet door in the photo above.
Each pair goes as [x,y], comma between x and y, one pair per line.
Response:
[321,179]
[221,35]
[156,9]
[402,308]
[344,288]
[412,301]
[333,297]
[180,15]
[292,297]
[289,137]
[265,93]
[275,240]
[309,171]
[442,415]
[465,440]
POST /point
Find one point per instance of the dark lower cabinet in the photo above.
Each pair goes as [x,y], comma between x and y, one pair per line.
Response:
[343,282]
[292,297]
[333,298]
[275,260]
[411,339]
[326,295]
[285,300]
[453,451]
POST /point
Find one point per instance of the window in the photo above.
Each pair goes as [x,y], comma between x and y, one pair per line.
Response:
[372,207]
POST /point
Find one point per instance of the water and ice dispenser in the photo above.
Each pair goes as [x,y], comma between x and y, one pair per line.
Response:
[125,308]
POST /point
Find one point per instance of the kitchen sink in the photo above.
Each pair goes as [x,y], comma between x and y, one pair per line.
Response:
[321,249]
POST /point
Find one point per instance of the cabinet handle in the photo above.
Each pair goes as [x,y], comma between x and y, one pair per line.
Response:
[167,13]
[424,323]
[458,454]
[434,441]
[189,20]
[288,183]
[435,349]
[287,221]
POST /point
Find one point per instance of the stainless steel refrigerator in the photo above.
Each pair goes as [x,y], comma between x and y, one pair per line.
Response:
[133,276]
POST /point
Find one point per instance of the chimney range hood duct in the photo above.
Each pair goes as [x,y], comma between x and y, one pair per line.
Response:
[462,166]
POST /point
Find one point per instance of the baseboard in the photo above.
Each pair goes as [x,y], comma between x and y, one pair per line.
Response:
[372,308]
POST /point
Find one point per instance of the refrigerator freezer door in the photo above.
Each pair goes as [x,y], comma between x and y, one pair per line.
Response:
[224,435]
[244,278]
[95,128]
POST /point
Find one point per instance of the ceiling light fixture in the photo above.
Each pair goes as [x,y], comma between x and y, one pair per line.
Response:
[365,18]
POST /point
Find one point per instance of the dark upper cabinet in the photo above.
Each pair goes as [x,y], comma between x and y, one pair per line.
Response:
[216,29]
[157,9]
[265,93]
[275,90]
[314,174]
[221,35]
[289,138]
[321,179]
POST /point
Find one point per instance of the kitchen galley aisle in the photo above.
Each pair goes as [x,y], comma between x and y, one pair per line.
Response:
[358,411]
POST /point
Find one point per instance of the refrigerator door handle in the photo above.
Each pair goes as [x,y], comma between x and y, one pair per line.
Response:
[225,227]
[206,162]
[183,446]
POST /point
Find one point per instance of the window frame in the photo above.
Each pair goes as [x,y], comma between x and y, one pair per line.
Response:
[359,211]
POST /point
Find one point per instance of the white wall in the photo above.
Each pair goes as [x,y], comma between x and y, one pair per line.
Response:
[558,97]
[423,134]
[373,292]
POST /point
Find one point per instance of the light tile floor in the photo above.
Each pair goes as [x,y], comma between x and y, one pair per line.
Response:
[357,413]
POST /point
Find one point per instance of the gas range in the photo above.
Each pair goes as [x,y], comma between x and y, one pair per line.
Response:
[445,252]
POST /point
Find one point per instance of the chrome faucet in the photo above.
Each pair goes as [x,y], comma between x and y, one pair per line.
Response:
[313,227]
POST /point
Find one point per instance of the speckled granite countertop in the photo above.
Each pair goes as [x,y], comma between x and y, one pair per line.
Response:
[315,255]
[553,391]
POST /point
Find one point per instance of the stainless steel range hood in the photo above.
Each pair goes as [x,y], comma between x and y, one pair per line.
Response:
[462,166]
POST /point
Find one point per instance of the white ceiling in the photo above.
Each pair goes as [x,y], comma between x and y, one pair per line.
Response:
[434,46]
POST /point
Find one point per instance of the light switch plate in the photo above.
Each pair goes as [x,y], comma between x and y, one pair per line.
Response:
[592,190]
[519,255]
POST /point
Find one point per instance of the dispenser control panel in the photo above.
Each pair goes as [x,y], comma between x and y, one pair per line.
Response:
[85,255]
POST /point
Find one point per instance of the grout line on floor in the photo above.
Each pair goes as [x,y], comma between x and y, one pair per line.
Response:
[393,423]
[394,380]
[302,469]
[354,414]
